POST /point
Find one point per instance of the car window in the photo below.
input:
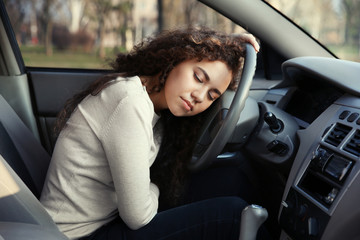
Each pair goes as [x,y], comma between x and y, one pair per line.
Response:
[85,33]
[334,23]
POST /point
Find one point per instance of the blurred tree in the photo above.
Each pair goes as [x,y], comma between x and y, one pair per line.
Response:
[104,16]
[352,21]
[46,21]
[103,8]
[123,12]
[190,7]
[77,10]
[183,13]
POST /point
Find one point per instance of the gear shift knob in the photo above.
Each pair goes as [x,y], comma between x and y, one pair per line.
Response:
[251,219]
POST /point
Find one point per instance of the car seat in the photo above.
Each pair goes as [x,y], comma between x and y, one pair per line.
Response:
[22,150]
[23,166]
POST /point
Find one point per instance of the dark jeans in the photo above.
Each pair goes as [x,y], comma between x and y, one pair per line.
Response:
[212,211]
[217,218]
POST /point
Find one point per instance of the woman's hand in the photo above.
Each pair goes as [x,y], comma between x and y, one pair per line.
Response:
[247,37]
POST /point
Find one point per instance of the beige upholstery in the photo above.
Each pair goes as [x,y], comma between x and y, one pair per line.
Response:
[21,211]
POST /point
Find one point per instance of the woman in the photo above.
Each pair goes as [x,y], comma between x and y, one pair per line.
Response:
[99,184]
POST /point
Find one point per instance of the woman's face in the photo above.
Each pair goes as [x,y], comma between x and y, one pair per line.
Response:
[193,86]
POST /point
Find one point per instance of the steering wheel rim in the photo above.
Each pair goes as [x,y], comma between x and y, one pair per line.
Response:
[202,155]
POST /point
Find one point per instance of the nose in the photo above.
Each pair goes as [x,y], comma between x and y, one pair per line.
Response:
[199,95]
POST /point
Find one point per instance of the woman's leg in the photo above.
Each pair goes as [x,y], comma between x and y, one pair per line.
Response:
[217,218]
[220,182]
[224,181]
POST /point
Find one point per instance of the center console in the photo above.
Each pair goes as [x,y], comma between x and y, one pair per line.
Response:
[321,189]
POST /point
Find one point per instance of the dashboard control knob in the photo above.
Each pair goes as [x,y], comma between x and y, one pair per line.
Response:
[275,124]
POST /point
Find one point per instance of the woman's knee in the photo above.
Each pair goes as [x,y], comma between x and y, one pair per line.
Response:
[205,219]
[233,204]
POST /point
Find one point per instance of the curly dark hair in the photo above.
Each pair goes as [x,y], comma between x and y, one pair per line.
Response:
[157,56]
[162,53]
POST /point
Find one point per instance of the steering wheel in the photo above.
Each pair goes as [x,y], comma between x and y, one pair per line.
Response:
[223,117]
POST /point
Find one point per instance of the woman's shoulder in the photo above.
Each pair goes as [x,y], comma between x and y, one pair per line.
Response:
[124,86]
[117,91]
[121,95]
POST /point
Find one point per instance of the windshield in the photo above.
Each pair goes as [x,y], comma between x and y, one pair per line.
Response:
[334,23]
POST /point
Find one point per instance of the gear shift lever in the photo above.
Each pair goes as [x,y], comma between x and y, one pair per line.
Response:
[251,219]
[275,124]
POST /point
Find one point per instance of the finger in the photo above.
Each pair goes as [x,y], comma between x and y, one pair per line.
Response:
[252,40]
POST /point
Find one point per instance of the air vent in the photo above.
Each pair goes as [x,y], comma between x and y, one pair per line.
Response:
[353,146]
[337,134]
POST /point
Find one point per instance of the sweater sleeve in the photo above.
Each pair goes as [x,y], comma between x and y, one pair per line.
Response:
[127,139]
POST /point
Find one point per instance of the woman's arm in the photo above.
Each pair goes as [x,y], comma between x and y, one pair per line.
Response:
[127,140]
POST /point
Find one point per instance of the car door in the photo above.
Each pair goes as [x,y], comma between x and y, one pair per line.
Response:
[37,94]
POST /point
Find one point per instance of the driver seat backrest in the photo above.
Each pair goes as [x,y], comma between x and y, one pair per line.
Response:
[21,214]
[22,151]
[23,166]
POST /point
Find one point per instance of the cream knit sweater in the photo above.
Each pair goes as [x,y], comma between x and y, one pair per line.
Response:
[100,165]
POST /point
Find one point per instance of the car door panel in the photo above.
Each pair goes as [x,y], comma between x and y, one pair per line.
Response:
[50,90]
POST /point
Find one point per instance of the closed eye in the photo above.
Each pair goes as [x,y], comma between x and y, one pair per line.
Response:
[213,95]
[197,78]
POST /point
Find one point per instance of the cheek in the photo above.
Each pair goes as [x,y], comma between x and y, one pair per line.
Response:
[170,86]
[203,106]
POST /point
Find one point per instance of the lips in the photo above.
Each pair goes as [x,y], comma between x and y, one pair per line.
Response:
[188,106]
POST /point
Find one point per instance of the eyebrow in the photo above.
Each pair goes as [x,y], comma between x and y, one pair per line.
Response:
[208,79]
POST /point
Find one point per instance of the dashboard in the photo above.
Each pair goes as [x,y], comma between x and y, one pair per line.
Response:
[310,100]
[323,188]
